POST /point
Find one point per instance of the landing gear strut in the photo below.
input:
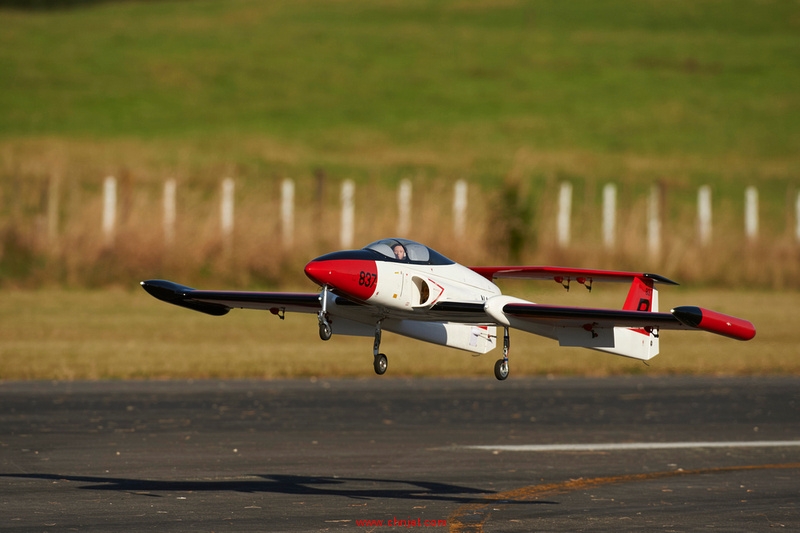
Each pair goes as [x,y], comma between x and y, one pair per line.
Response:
[501,366]
[381,362]
[325,331]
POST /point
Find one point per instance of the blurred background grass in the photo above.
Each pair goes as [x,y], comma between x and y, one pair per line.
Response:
[513,96]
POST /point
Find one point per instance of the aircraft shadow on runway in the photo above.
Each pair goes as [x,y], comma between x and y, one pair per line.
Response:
[290,484]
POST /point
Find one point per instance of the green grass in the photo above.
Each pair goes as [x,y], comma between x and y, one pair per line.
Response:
[56,334]
[683,77]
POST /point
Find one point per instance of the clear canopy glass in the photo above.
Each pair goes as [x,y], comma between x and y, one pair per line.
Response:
[406,250]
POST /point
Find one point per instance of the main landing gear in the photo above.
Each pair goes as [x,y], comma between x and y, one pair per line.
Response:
[380,362]
[501,366]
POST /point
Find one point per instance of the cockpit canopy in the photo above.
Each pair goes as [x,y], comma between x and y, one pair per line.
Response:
[407,251]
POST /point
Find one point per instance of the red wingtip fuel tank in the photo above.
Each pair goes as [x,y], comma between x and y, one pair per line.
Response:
[721,324]
[347,273]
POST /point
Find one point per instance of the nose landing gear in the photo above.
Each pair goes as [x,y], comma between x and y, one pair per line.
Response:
[380,362]
[325,331]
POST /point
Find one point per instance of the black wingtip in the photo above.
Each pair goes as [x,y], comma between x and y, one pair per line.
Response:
[661,279]
[176,294]
[167,291]
[688,315]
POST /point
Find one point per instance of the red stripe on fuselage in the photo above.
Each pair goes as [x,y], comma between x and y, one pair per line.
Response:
[356,278]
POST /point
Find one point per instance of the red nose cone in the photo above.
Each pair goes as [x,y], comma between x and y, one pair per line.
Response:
[355,278]
[317,272]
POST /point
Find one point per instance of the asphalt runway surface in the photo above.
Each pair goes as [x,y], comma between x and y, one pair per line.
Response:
[527,454]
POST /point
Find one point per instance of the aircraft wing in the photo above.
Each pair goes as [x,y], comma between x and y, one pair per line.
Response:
[220,302]
[589,319]
[553,315]
[561,274]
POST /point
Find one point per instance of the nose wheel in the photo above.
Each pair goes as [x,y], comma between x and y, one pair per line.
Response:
[325,331]
[501,366]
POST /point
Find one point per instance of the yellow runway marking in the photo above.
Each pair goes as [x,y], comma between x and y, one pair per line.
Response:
[470,518]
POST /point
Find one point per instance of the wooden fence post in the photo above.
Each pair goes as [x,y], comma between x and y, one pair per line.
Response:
[460,208]
[109,209]
[609,215]
[170,188]
[348,213]
[564,214]
[287,212]
[797,217]
[751,213]
[226,214]
[704,215]
[404,208]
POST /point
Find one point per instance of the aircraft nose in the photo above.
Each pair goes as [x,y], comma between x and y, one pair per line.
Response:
[318,272]
[354,277]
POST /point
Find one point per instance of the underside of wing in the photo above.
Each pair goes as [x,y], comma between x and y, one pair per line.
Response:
[554,316]
[683,317]
[623,332]
[559,316]
[220,302]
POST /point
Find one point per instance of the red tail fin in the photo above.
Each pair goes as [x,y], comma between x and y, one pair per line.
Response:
[641,296]
[638,343]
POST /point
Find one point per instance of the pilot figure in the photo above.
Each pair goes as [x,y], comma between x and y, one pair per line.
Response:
[399,252]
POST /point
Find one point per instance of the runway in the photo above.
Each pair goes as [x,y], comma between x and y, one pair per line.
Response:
[528,454]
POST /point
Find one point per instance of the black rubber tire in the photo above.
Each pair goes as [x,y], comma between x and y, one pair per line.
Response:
[325,331]
[381,364]
[499,372]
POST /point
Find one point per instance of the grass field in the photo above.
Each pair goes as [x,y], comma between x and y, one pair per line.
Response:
[56,334]
[595,89]
[390,87]
[683,78]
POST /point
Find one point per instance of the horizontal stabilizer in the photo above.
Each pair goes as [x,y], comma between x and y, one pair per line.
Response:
[564,275]
[714,322]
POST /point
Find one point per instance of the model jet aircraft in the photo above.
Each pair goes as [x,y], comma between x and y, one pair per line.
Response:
[402,286]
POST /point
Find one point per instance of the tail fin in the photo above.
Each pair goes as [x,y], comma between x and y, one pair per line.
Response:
[637,343]
[642,296]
